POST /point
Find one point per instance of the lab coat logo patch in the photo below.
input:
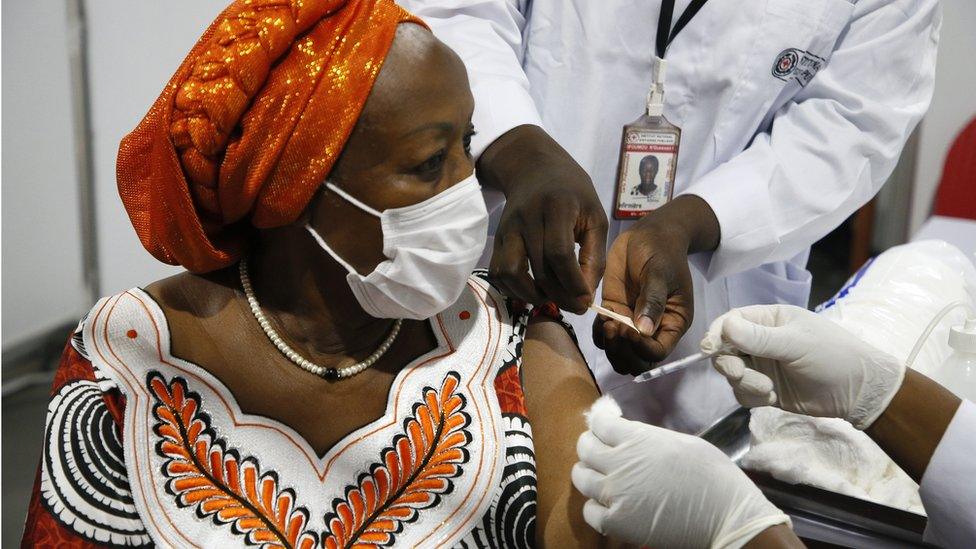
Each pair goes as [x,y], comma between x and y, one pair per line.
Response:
[797,64]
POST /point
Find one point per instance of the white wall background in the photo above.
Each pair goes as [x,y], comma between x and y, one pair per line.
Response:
[133,49]
[42,264]
[953,104]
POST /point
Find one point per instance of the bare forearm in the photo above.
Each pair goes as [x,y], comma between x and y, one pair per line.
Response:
[780,536]
[911,427]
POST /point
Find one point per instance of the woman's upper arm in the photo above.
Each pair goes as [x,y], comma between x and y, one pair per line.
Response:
[558,389]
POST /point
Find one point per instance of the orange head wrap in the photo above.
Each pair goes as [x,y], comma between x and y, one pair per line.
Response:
[251,124]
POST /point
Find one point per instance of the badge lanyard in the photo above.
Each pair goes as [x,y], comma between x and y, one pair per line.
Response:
[649,145]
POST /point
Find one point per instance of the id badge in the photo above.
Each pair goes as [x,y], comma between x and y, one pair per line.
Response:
[647,167]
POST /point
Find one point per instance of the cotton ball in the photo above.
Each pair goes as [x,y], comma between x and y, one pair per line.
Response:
[603,405]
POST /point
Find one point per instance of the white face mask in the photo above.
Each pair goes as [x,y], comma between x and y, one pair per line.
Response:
[431,247]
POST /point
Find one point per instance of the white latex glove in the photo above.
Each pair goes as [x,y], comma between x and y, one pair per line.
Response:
[655,487]
[789,357]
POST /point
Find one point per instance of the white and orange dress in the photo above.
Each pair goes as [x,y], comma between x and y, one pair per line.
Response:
[144,449]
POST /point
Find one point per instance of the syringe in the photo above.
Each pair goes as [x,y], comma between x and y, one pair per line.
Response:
[679,364]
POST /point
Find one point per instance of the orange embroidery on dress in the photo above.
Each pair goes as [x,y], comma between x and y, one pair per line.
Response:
[216,482]
[412,473]
[549,309]
[508,387]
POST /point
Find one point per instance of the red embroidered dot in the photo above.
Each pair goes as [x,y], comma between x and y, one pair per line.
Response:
[464,315]
[132,334]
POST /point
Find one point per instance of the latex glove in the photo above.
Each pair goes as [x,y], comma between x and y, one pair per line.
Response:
[655,487]
[803,363]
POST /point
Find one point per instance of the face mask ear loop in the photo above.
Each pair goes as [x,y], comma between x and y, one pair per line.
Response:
[318,238]
[353,200]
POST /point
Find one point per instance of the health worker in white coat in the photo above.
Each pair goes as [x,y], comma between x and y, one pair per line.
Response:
[792,115]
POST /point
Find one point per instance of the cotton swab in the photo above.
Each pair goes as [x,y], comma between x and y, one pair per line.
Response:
[616,316]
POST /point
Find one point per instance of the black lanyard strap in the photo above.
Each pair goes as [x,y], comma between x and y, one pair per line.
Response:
[665,34]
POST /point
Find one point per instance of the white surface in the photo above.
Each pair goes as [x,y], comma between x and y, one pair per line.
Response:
[961,233]
[812,155]
[830,454]
[958,374]
[42,264]
[134,48]
[899,294]
[948,490]
[953,104]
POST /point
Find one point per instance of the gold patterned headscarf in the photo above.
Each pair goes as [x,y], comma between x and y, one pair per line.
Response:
[251,124]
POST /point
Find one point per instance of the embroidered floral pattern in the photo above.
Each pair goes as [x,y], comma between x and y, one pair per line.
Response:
[411,475]
[217,482]
[235,492]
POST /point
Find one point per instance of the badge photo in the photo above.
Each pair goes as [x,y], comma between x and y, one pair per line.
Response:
[646,178]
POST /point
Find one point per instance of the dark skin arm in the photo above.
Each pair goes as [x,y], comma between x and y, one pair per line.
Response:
[648,280]
[558,389]
[780,536]
[550,206]
[910,429]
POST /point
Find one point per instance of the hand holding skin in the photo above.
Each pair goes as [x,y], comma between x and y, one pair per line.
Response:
[654,487]
[550,206]
[648,279]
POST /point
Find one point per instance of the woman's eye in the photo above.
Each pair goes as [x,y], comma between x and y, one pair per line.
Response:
[467,141]
[432,164]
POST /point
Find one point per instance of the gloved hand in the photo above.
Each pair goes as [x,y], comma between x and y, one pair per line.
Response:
[659,488]
[789,357]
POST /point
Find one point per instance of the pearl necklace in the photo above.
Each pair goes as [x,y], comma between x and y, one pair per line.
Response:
[299,360]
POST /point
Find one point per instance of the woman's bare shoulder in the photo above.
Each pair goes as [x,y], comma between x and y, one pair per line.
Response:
[201,313]
[558,384]
[187,292]
[553,350]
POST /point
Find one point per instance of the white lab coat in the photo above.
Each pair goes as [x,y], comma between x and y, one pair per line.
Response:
[948,489]
[780,163]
